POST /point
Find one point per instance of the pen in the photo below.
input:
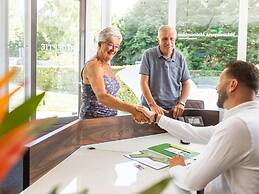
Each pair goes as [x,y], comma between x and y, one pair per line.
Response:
[138,166]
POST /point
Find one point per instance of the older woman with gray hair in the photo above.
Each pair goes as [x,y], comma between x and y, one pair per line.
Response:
[99,85]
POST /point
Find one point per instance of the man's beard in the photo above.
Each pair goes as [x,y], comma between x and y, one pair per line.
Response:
[222,98]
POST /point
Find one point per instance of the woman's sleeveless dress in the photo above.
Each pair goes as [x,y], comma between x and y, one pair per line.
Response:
[91,107]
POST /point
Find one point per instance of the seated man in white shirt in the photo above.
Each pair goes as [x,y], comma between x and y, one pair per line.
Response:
[230,160]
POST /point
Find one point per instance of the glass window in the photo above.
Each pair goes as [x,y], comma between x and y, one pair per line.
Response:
[16,49]
[138,24]
[57,57]
[253,32]
[93,26]
[207,36]
[138,21]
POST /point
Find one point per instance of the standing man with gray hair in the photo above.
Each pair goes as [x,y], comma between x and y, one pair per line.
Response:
[164,75]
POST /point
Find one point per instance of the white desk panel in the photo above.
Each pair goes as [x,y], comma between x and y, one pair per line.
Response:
[104,170]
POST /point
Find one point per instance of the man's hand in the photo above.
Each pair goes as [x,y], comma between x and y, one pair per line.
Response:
[157,109]
[177,160]
[177,111]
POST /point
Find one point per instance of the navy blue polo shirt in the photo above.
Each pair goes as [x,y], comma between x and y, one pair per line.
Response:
[165,76]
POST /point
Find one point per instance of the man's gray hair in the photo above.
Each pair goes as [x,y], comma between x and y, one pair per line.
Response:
[166,28]
[108,33]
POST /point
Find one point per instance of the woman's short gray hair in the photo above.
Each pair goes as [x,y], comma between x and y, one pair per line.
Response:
[108,33]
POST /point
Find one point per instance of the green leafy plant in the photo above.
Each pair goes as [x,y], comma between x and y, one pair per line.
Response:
[158,187]
[16,127]
[55,191]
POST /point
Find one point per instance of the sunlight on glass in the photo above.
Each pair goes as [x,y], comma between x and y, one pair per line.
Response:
[119,8]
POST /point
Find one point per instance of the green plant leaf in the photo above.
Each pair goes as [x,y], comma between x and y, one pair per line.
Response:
[55,191]
[85,191]
[20,114]
[158,187]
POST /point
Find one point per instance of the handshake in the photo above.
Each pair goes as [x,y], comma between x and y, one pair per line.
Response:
[144,115]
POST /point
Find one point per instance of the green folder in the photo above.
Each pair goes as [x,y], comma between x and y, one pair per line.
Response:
[161,148]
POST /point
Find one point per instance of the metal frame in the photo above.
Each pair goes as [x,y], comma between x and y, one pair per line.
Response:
[4,60]
[172,13]
[242,30]
[82,45]
[30,49]
[106,13]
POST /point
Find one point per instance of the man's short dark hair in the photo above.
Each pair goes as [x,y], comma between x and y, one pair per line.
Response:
[244,72]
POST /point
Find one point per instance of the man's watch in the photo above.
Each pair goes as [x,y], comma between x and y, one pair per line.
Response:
[181,102]
[155,118]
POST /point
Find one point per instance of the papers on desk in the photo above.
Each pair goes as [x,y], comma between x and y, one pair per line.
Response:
[157,156]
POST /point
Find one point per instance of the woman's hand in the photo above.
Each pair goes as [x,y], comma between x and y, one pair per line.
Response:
[150,115]
[139,116]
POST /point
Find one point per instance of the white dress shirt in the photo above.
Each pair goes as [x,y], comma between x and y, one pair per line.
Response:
[230,161]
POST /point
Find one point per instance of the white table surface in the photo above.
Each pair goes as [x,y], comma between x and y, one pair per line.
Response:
[105,170]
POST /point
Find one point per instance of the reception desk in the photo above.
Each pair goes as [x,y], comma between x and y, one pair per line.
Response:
[48,151]
[102,168]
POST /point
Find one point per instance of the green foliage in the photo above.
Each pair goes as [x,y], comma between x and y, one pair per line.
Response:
[21,114]
[138,36]
[253,44]
[55,191]
[16,44]
[57,79]
[208,53]
[42,51]
[56,27]
[139,29]
[61,79]
[54,79]
[158,187]
[64,80]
